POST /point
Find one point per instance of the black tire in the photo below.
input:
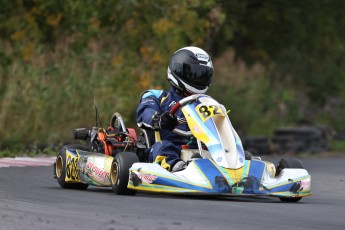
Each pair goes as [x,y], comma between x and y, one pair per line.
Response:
[289,163]
[306,138]
[290,199]
[248,155]
[119,173]
[60,167]
[257,145]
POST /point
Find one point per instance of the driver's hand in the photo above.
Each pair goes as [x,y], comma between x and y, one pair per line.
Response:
[164,121]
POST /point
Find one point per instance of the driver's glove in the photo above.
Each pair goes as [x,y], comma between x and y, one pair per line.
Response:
[164,121]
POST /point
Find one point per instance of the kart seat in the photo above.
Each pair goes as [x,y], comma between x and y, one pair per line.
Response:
[149,137]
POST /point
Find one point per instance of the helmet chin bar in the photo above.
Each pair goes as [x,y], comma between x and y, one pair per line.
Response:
[177,85]
[181,88]
[181,92]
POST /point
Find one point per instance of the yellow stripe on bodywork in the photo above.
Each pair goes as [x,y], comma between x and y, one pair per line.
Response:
[192,164]
[286,182]
[289,194]
[245,173]
[159,188]
[197,131]
[234,176]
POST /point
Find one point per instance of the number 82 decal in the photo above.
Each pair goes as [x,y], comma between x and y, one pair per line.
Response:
[207,111]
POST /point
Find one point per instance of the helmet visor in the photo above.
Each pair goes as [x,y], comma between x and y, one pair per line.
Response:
[194,74]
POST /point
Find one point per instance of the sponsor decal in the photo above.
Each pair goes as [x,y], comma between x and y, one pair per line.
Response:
[97,173]
[305,184]
[296,188]
[241,159]
[203,56]
[222,185]
[197,130]
[148,99]
[219,159]
[146,178]
[251,184]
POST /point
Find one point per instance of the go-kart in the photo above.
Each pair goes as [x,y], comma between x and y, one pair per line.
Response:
[99,161]
[219,166]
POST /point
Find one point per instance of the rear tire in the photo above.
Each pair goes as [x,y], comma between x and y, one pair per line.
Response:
[60,167]
[119,173]
[289,163]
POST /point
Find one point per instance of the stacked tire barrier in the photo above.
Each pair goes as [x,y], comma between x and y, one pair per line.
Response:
[299,139]
[289,140]
[257,145]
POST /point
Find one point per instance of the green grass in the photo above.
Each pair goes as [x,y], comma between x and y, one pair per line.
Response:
[337,145]
[28,153]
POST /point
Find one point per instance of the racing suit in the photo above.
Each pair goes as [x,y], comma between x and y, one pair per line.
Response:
[167,152]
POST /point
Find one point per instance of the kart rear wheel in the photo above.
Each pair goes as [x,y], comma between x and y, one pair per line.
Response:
[60,167]
[289,163]
[119,173]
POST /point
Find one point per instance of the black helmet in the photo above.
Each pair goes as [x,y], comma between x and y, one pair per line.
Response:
[190,70]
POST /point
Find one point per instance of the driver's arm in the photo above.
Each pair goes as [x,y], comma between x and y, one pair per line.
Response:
[148,107]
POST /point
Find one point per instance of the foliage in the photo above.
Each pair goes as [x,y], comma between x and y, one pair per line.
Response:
[301,45]
[337,145]
[276,62]
[302,41]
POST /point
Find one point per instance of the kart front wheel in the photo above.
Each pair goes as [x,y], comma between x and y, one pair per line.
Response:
[290,199]
[119,173]
[60,167]
[289,163]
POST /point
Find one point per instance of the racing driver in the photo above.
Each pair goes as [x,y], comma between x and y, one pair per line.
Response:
[189,72]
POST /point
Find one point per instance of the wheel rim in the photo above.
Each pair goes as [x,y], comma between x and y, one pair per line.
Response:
[114,173]
[59,166]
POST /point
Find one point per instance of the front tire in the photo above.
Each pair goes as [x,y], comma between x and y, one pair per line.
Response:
[290,199]
[119,173]
[60,167]
[289,163]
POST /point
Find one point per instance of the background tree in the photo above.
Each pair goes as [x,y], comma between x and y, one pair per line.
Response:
[277,62]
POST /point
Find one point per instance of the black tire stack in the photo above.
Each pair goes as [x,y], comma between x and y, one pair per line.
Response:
[299,139]
[293,140]
[257,145]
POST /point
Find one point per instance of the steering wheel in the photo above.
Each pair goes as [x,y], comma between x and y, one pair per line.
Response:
[116,122]
[183,102]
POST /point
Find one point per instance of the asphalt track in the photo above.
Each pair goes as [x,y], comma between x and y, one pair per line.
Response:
[30,198]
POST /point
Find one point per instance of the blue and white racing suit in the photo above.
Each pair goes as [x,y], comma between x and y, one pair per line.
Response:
[167,152]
